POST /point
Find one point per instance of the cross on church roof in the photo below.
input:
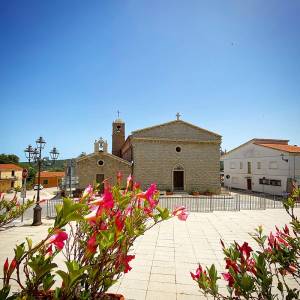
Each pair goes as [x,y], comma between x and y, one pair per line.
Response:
[118,114]
[178,115]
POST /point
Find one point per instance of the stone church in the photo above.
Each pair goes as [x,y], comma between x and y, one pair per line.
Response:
[177,156]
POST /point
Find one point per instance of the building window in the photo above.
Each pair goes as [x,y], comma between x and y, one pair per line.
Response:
[241,165]
[249,167]
[12,173]
[258,165]
[45,181]
[100,162]
[178,149]
[275,182]
[264,181]
[273,165]
[232,165]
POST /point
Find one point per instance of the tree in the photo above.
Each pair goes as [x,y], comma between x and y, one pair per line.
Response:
[9,159]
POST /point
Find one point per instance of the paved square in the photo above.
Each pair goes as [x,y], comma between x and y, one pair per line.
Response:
[167,253]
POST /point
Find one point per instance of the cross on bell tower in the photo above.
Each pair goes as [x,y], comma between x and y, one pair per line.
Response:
[178,115]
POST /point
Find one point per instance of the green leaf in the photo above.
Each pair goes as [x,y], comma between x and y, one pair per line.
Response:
[64,276]
[48,282]
[247,283]
[29,243]
[4,292]
[19,251]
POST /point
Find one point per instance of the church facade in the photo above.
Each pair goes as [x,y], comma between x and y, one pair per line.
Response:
[177,156]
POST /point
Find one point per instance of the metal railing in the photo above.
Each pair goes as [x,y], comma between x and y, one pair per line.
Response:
[51,203]
[235,202]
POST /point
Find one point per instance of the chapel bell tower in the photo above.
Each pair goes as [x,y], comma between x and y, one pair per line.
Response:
[118,136]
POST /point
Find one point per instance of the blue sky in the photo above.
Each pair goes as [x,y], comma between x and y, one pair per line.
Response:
[66,67]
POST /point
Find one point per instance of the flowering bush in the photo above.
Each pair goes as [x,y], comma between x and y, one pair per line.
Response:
[11,210]
[260,274]
[95,235]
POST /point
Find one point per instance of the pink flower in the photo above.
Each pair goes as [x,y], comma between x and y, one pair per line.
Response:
[92,216]
[106,201]
[245,249]
[129,183]
[199,272]
[180,212]
[88,191]
[119,221]
[228,277]
[58,239]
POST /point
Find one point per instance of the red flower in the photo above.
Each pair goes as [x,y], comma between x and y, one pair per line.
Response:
[12,266]
[245,250]
[136,186]
[180,212]
[228,277]
[49,250]
[119,221]
[286,229]
[92,244]
[126,261]
[58,239]
[232,264]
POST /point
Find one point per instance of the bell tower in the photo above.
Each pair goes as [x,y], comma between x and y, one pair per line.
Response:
[118,136]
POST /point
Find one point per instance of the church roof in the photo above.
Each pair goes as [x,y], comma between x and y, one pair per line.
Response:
[175,122]
[105,154]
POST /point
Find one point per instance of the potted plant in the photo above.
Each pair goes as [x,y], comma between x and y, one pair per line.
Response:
[270,272]
[169,192]
[95,235]
[195,193]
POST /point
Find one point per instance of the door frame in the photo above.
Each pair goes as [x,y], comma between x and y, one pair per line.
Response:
[178,169]
[249,183]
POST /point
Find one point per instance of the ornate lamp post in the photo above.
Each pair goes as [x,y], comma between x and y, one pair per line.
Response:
[34,155]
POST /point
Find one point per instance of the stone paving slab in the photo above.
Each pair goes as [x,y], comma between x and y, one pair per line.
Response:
[168,252]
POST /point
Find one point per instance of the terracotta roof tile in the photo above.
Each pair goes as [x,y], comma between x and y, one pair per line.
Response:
[286,148]
[10,167]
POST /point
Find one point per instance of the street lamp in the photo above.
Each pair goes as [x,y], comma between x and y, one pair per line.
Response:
[34,155]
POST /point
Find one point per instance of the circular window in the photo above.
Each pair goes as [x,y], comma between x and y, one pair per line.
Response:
[178,149]
[100,162]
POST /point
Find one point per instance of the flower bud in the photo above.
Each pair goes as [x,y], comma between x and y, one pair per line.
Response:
[5,267]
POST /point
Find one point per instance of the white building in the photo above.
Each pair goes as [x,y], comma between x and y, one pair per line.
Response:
[262,165]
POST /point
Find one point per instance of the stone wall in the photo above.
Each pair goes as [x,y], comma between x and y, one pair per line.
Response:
[87,168]
[154,161]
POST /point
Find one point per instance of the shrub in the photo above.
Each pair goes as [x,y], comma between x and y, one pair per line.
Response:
[95,234]
[260,274]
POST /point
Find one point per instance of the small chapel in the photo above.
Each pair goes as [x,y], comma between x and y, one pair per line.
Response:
[176,155]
